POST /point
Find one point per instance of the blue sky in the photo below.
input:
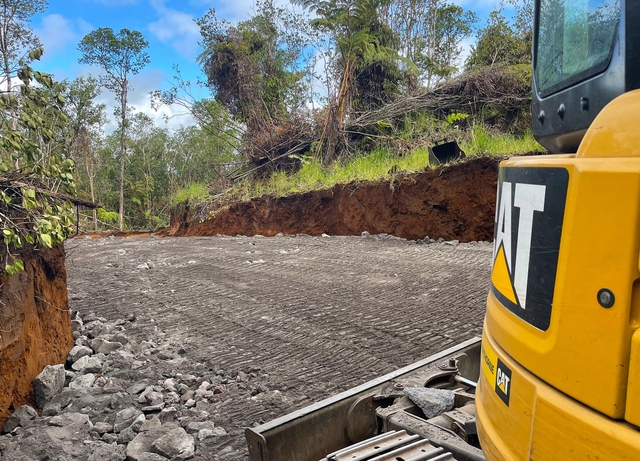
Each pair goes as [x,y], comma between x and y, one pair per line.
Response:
[168,25]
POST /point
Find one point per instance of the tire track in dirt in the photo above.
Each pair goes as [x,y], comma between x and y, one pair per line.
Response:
[317,315]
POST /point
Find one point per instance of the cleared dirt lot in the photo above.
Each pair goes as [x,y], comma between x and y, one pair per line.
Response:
[303,317]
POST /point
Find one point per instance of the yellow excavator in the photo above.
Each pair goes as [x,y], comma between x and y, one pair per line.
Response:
[556,374]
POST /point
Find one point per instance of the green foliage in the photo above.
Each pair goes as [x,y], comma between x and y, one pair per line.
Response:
[381,164]
[108,217]
[254,68]
[194,192]
[119,55]
[33,176]
[455,117]
[499,44]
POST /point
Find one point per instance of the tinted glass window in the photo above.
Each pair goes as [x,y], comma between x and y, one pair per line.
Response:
[575,41]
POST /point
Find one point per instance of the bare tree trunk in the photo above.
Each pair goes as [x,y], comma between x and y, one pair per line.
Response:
[123,149]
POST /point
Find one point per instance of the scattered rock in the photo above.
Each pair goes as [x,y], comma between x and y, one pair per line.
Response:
[103,427]
[78,352]
[48,383]
[107,452]
[204,434]
[141,444]
[431,401]
[19,418]
[124,418]
[176,444]
[88,364]
[82,382]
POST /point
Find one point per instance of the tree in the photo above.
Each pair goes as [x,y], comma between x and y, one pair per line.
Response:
[35,205]
[120,56]
[362,42]
[429,33]
[254,68]
[499,44]
[16,36]
[84,130]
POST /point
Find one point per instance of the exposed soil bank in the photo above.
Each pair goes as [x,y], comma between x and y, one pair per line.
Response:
[453,202]
[35,325]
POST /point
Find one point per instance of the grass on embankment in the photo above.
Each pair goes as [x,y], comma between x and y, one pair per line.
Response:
[379,165]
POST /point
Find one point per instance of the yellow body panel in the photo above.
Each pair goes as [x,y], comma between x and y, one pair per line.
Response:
[574,376]
[543,424]
[585,351]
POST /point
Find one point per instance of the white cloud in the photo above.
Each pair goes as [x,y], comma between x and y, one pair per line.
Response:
[175,28]
[57,32]
[171,117]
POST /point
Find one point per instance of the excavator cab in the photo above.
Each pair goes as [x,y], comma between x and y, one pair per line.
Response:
[560,354]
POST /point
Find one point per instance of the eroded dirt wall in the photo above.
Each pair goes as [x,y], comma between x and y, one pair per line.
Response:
[35,325]
[454,202]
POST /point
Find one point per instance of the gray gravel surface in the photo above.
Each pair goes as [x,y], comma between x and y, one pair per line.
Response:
[281,322]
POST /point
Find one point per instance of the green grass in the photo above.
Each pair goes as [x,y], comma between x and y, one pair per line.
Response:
[482,141]
[195,192]
[379,165]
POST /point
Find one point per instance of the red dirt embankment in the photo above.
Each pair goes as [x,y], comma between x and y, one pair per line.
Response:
[35,325]
[452,202]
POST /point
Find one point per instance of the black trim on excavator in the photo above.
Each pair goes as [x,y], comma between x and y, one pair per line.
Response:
[561,115]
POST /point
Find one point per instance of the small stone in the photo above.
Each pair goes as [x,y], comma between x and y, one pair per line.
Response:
[153,408]
[150,424]
[102,427]
[326,235]
[189,395]
[82,382]
[107,347]
[137,364]
[104,452]
[365,234]
[196,426]
[48,383]
[76,325]
[52,409]
[432,402]
[204,434]
[171,398]
[137,424]
[124,418]
[190,403]
[453,242]
[126,435]
[109,438]
[153,398]
[142,398]
[168,415]
[66,420]
[137,387]
[189,380]
[170,385]
[151,457]
[20,417]
[88,365]
[141,445]
[177,444]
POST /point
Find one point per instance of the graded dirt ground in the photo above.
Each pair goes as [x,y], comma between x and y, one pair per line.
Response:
[304,317]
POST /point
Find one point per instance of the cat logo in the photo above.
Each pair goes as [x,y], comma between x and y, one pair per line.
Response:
[528,227]
[503,381]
